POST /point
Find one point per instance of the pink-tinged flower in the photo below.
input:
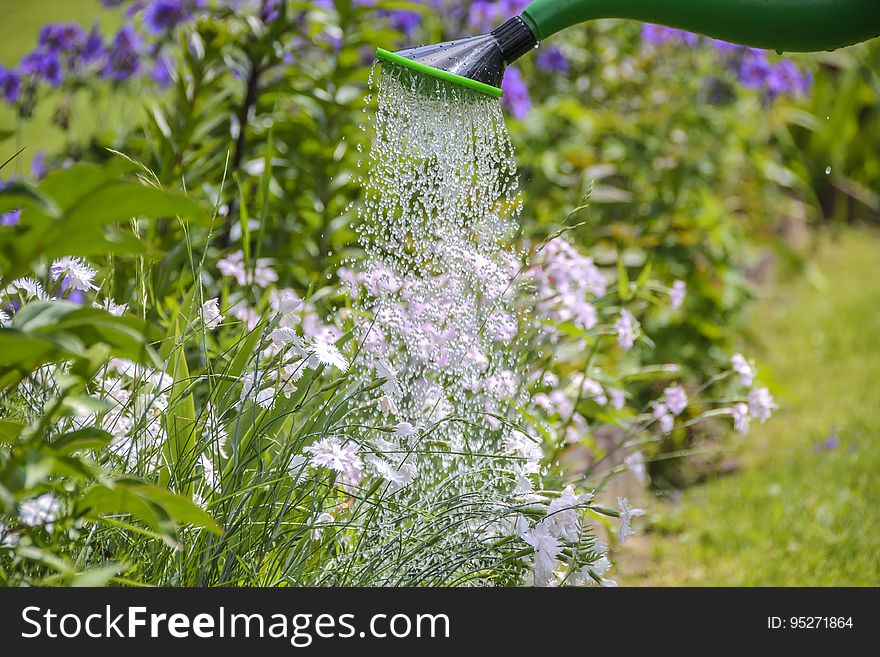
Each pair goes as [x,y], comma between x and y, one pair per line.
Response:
[676,399]
[618,399]
[741,366]
[740,413]
[761,404]
[626,327]
[211,314]
[662,415]
[676,294]
[343,458]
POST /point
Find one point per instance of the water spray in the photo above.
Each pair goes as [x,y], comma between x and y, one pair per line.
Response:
[781,25]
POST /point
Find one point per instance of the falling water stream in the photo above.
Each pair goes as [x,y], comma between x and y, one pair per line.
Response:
[438,230]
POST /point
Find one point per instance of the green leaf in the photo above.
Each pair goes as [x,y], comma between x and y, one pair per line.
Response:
[88,438]
[158,508]
[9,430]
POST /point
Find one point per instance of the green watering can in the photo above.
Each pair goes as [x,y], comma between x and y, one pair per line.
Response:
[781,25]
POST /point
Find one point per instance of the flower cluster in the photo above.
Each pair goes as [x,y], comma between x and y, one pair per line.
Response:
[753,67]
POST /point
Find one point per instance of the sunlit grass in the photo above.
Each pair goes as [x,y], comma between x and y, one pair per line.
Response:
[803,511]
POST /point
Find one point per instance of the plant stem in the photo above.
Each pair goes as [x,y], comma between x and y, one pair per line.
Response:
[249,103]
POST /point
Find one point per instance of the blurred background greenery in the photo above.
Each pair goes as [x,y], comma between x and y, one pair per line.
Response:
[742,190]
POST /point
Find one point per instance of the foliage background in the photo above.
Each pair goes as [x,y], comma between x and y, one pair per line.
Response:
[689,169]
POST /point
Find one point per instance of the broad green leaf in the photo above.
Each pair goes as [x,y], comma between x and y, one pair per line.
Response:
[88,438]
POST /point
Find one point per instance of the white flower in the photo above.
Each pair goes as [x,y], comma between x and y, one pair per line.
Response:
[676,399]
[328,354]
[211,314]
[391,387]
[525,447]
[618,399]
[233,266]
[761,404]
[265,398]
[740,413]
[592,390]
[31,288]
[601,565]
[387,405]
[397,476]
[562,520]
[247,315]
[215,432]
[662,415]
[547,548]
[404,430]
[297,464]
[78,274]
[626,516]
[636,464]
[288,376]
[42,510]
[626,327]
[115,309]
[211,476]
[333,454]
[741,366]
[317,530]
[8,539]
[283,336]
[285,302]
[598,568]
[676,294]
[5,320]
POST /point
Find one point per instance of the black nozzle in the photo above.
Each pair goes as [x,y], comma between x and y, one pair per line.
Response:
[515,39]
[481,59]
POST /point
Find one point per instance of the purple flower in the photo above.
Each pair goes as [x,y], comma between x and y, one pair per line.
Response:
[161,16]
[123,56]
[38,165]
[658,34]
[676,399]
[9,218]
[45,65]
[270,11]
[516,93]
[405,21]
[484,16]
[93,47]
[61,37]
[161,71]
[677,293]
[10,84]
[786,78]
[754,69]
[725,47]
[551,58]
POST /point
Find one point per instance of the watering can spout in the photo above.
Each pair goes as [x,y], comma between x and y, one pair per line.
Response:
[781,25]
[476,62]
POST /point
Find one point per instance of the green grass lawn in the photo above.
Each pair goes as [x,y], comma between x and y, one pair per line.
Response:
[805,507]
